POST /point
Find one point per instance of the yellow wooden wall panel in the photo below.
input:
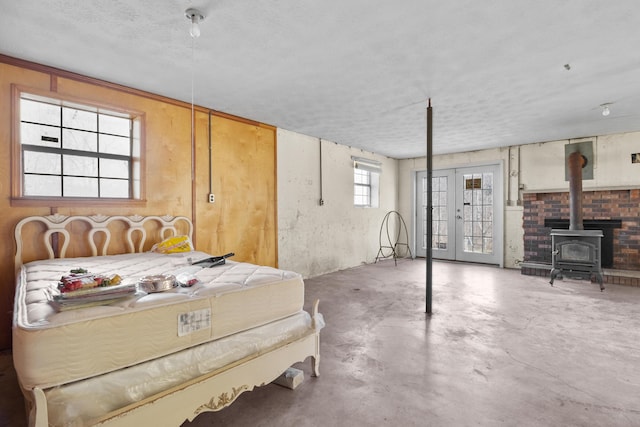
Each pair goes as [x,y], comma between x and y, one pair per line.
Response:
[243,218]
[10,216]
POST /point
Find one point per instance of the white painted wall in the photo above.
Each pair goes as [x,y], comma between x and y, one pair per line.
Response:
[542,165]
[537,167]
[314,239]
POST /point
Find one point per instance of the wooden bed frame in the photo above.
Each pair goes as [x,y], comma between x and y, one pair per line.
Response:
[210,392]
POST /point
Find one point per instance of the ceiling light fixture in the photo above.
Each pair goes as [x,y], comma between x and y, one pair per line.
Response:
[195,16]
[605,109]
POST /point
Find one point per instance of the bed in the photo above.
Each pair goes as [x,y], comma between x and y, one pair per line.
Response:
[128,355]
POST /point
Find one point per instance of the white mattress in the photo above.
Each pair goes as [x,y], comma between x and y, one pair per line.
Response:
[82,402]
[52,348]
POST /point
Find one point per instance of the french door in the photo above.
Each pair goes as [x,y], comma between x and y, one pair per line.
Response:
[467,214]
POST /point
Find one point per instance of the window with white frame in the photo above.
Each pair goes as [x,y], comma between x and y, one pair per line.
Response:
[69,149]
[361,187]
[366,182]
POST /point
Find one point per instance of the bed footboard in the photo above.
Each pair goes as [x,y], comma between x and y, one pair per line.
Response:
[210,392]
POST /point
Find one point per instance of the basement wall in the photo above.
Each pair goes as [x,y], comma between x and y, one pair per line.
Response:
[314,239]
[531,168]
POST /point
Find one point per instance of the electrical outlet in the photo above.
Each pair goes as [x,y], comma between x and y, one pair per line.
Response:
[212,198]
[321,202]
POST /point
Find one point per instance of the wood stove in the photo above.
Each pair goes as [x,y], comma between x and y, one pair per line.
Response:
[576,252]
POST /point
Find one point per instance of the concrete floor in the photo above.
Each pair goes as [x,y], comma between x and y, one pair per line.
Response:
[500,349]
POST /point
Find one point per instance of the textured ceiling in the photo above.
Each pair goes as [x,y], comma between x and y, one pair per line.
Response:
[359,72]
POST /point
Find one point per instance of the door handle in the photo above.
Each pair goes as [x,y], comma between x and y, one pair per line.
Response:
[458,217]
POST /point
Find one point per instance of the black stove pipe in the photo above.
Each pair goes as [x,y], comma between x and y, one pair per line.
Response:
[576,162]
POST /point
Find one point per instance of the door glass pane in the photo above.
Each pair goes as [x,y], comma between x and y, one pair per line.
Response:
[477,213]
[423,213]
[440,220]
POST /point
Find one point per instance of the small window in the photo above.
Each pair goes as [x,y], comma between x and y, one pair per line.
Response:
[366,179]
[362,187]
[70,149]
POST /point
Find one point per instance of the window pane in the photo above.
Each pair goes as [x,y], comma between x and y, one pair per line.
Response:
[39,112]
[43,163]
[80,187]
[83,152]
[360,201]
[362,187]
[79,119]
[114,188]
[42,185]
[79,165]
[361,190]
[79,140]
[34,134]
[361,176]
[114,168]
[362,195]
[115,145]
[115,125]
[135,137]
[135,184]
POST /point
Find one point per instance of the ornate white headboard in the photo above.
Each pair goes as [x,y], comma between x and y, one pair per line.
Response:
[99,224]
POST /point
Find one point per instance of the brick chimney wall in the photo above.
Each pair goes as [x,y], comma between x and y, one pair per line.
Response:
[609,204]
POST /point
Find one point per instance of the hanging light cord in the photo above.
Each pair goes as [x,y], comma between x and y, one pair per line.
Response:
[193,144]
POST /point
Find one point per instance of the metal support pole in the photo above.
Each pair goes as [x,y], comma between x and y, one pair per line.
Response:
[429,207]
